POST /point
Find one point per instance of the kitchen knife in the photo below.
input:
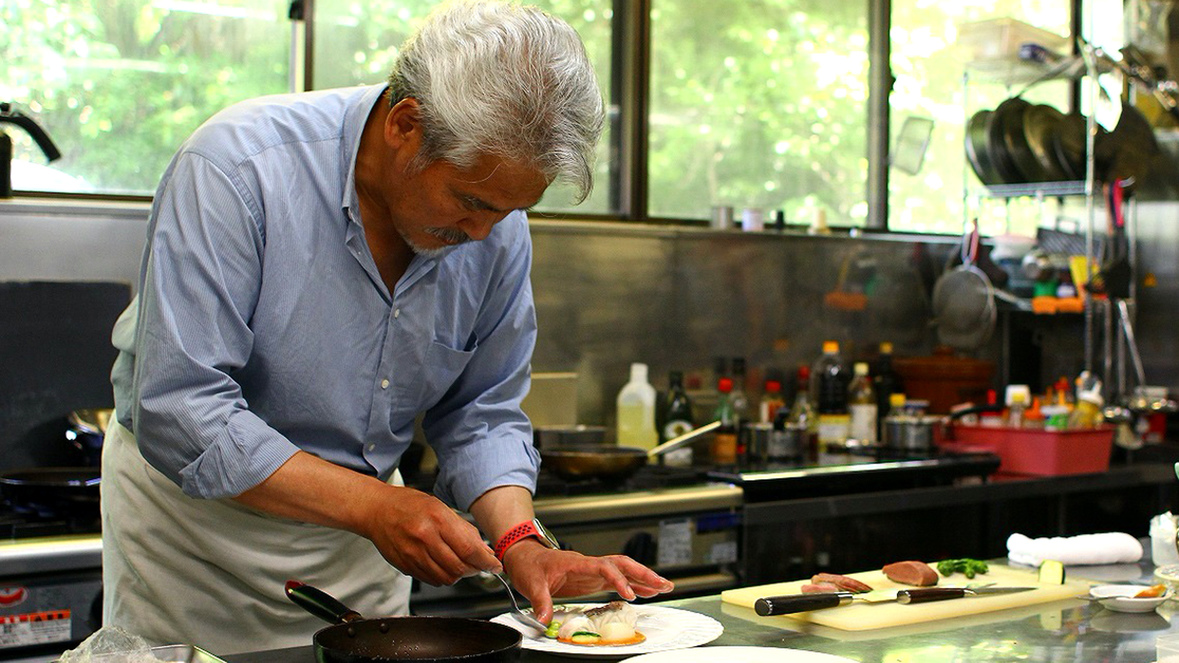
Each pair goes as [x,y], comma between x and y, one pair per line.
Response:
[791,603]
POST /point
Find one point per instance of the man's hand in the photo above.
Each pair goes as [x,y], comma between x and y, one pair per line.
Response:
[541,573]
[424,538]
[414,531]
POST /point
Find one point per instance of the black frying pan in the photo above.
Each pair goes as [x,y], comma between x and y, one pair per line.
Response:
[976,149]
[355,639]
[1003,128]
[56,492]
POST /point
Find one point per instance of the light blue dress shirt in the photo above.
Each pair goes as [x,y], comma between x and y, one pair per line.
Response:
[262,325]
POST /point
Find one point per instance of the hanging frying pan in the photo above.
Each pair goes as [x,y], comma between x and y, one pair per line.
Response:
[1001,144]
[964,301]
[976,149]
[1040,124]
[1133,146]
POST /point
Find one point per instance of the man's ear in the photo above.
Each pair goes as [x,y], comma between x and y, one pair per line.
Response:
[402,125]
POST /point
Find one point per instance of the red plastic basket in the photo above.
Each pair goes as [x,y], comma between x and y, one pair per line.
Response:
[1038,452]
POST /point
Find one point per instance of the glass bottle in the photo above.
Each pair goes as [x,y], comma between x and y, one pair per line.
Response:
[677,420]
[771,401]
[724,443]
[829,381]
[802,415]
[862,406]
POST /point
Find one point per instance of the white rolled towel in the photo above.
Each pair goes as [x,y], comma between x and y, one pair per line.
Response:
[1104,548]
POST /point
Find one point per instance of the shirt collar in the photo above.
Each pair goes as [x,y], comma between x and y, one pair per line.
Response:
[354,121]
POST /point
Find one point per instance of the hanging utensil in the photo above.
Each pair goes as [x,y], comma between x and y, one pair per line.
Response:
[964,300]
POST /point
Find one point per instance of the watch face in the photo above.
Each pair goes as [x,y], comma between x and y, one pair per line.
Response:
[546,536]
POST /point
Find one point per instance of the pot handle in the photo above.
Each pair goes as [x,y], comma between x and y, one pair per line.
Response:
[320,603]
[679,441]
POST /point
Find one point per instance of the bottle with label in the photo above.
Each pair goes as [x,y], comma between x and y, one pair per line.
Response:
[803,416]
[1018,398]
[724,442]
[771,401]
[636,411]
[677,420]
[862,407]
[829,382]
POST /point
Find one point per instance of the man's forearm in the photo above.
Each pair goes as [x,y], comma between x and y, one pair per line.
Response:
[310,489]
[500,509]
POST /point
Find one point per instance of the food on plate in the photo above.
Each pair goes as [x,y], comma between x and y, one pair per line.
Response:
[844,583]
[966,566]
[610,624]
[914,573]
[1051,572]
[1152,592]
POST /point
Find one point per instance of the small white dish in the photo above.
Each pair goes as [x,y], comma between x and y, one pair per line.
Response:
[1120,598]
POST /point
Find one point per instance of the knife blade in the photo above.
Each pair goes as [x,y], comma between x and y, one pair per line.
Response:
[791,603]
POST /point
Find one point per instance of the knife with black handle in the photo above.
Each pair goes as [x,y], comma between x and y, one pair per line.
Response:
[785,605]
[792,603]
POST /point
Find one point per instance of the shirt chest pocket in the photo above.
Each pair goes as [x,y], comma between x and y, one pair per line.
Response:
[442,367]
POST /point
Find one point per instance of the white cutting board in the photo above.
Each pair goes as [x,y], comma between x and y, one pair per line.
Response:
[860,616]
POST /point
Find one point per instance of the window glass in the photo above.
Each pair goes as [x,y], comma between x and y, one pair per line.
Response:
[759,104]
[356,44]
[118,85]
[944,80]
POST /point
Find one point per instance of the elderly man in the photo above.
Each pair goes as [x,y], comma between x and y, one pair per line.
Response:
[321,268]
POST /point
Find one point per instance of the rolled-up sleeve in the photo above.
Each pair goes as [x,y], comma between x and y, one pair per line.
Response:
[482,437]
[200,285]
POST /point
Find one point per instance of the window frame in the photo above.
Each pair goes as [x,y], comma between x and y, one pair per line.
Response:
[629,106]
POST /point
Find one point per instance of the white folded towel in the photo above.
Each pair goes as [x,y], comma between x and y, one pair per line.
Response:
[1104,548]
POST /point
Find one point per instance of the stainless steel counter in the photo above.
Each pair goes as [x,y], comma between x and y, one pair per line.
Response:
[1069,630]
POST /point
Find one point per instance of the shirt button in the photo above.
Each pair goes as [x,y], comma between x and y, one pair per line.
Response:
[371,447]
[396,313]
[384,384]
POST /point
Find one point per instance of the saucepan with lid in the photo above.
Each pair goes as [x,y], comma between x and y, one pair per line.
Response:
[354,639]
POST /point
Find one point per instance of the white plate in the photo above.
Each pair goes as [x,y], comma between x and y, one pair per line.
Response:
[1119,598]
[666,629]
[740,655]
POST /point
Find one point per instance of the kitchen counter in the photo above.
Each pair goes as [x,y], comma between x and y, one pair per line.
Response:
[1068,630]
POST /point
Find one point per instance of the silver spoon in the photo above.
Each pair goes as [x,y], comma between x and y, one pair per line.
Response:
[520,616]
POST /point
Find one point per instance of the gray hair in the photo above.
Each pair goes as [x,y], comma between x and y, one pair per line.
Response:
[505,80]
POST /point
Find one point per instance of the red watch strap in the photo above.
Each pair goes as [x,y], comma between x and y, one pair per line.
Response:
[513,536]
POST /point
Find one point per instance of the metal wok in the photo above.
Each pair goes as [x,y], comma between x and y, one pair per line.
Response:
[354,639]
[53,491]
[611,463]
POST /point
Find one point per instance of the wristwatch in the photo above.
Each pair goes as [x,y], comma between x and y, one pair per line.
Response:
[526,529]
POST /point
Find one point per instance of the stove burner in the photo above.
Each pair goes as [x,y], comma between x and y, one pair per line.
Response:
[27,523]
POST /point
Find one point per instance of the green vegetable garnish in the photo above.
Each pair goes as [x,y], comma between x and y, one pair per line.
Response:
[551,631]
[585,637]
[968,567]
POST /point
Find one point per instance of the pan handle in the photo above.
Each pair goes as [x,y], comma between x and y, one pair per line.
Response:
[681,440]
[320,603]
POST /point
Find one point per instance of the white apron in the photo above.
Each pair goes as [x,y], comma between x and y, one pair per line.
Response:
[210,573]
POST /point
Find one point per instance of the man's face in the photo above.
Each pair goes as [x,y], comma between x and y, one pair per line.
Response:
[444,206]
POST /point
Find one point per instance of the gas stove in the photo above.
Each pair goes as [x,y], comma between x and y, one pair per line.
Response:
[50,581]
